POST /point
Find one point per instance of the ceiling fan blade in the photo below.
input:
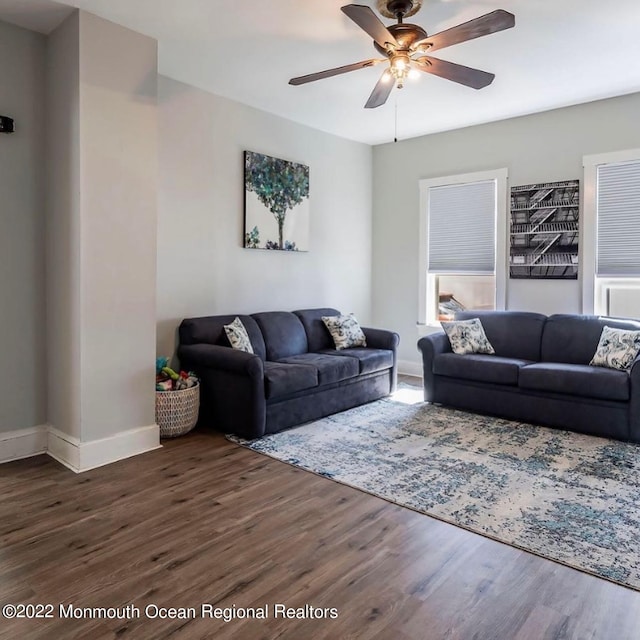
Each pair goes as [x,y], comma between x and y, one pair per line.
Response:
[381,91]
[498,20]
[369,22]
[312,77]
[473,78]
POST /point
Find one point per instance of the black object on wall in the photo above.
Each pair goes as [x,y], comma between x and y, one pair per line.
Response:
[6,125]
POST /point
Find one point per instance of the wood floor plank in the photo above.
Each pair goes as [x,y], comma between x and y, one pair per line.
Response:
[205,521]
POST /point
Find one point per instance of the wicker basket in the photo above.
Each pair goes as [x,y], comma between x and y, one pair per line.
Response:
[177,411]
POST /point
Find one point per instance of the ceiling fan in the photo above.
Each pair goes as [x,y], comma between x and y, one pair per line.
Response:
[405,46]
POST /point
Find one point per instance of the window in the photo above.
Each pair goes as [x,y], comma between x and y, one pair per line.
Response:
[611,257]
[462,244]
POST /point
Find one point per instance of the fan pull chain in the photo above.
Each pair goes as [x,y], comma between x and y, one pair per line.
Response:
[395,137]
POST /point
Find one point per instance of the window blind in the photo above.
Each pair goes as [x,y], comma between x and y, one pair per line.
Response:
[618,215]
[462,228]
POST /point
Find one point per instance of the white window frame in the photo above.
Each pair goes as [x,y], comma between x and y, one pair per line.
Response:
[427,282]
[594,289]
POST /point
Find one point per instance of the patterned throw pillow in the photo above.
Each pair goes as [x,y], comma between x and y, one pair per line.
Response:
[345,331]
[617,349]
[467,336]
[238,336]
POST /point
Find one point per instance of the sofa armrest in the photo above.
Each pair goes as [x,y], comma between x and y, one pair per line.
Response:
[431,345]
[232,397]
[634,401]
[210,356]
[381,338]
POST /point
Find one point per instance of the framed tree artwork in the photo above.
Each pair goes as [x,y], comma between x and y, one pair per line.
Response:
[276,203]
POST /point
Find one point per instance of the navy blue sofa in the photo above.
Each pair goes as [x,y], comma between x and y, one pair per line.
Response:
[540,373]
[294,375]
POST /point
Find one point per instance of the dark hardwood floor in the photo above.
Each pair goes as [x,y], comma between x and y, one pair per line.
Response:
[205,521]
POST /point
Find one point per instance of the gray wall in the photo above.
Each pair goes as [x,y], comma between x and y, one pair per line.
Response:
[22,167]
[537,148]
[202,267]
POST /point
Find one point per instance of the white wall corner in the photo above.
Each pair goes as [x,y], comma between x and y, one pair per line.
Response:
[64,448]
[84,456]
[23,443]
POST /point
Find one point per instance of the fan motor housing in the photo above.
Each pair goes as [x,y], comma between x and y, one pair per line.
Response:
[406,34]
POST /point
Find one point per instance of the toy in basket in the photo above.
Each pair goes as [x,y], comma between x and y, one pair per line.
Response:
[177,400]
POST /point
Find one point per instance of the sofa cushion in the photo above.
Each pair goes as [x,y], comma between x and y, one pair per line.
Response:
[283,334]
[513,334]
[370,360]
[576,380]
[480,367]
[318,335]
[574,339]
[210,330]
[330,369]
[282,379]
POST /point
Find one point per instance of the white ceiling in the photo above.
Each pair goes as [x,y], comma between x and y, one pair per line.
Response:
[561,52]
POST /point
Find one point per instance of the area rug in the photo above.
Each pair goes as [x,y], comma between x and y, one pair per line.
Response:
[568,497]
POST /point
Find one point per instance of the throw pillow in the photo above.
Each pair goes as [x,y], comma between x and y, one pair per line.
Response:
[467,336]
[238,336]
[617,349]
[345,331]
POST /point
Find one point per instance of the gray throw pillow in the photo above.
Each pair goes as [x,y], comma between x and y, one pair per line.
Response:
[467,336]
[617,349]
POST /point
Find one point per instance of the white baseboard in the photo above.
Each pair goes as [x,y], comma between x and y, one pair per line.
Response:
[83,456]
[24,443]
[123,445]
[69,451]
[409,368]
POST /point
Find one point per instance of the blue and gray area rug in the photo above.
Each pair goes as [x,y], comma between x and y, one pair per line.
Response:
[568,497]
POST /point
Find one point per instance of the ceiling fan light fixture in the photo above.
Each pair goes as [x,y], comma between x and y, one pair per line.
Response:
[400,63]
[403,45]
[400,67]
